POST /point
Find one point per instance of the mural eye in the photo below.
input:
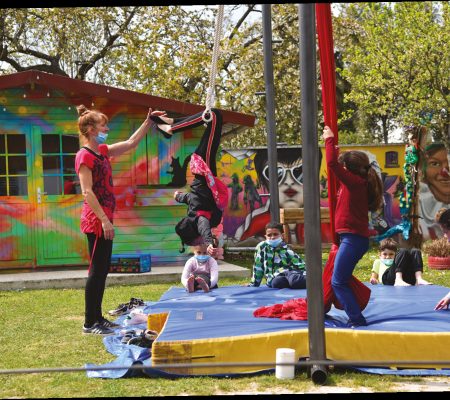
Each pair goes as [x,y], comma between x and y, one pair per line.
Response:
[280,174]
[297,173]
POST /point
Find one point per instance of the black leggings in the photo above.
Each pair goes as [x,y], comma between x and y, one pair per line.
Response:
[406,261]
[95,284]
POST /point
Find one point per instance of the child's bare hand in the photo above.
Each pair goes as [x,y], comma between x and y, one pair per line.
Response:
[327,133]
[373,281]
[443,303]
[177,192]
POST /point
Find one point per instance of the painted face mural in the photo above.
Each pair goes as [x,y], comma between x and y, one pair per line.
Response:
[290,183]
[436,172]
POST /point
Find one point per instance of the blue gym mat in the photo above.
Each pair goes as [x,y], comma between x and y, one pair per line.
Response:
[403,316]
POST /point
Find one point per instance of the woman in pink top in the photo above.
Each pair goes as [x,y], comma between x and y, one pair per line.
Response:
[360,191]
[94,171]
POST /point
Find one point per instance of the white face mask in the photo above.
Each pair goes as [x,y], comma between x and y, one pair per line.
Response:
[101,137]
[387,261]
[274,242]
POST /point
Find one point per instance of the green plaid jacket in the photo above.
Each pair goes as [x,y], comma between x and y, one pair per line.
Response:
[270,262]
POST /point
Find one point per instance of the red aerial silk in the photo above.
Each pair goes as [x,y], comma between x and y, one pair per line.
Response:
[297,308]
[328,80]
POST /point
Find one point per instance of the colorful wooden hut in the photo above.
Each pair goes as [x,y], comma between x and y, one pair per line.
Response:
[40,198]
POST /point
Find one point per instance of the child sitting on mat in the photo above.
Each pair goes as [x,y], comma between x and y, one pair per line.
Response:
[281,266]
[396,267]
[200,271]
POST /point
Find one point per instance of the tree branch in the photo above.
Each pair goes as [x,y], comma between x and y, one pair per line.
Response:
[88,65]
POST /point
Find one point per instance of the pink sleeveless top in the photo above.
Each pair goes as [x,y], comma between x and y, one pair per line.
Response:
[102,186]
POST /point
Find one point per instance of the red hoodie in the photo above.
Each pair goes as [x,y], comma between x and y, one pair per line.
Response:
[352,206]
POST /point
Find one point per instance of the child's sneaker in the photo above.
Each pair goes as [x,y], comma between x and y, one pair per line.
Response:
[129,334]
[97,329]
[144,339]
[201,282]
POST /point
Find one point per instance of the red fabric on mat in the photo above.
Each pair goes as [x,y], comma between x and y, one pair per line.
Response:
[296,309]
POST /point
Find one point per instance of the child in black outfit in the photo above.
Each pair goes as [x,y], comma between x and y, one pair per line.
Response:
[203,210]
[397,268]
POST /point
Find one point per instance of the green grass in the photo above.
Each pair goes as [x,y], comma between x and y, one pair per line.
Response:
[42,329]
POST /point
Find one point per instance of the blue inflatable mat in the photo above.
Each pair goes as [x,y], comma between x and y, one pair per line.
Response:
[220,327]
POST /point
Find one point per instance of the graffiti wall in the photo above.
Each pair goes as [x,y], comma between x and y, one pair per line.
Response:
[246,174]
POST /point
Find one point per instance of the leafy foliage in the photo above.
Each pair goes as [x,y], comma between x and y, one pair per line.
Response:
[392,60]
[397,62]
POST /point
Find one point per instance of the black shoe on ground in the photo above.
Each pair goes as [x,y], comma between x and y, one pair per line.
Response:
[130,334]
[97,329]
[144,339]
[127,307]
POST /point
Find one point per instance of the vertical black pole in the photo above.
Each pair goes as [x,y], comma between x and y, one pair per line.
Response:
[310,152]
[270,112]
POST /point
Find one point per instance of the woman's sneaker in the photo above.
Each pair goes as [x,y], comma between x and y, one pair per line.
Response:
[108,324]
[97,329]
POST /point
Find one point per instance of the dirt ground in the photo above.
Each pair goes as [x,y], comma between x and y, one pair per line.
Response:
[428,384]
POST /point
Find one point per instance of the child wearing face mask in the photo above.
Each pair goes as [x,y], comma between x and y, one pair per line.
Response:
[200,271]
[397,268]
[282,267]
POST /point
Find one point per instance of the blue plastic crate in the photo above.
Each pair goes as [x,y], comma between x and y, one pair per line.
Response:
[129,262]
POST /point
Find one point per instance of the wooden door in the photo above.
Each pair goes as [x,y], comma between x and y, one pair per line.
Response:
[17,209]
[58,199]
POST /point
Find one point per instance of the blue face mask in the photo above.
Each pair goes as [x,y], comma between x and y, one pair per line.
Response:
[274,242]
[101,138]
[387,261]
[202,258]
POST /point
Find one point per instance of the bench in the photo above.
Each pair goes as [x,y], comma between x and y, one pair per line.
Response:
[296,216]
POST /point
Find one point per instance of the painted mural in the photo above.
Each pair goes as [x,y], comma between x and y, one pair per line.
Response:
[246,173]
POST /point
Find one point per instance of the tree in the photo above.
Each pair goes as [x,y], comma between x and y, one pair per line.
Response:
[63,41]
[397,60]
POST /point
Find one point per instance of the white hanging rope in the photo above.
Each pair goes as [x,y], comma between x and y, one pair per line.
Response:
[210,93]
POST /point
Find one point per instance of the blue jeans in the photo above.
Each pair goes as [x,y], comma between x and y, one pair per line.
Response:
[351,249]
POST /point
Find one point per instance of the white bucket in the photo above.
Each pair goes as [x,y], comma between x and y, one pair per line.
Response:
[285,371]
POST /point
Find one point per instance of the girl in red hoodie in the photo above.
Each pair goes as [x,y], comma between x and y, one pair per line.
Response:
[360,191]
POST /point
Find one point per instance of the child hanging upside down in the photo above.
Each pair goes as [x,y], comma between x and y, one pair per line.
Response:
[208,195]
[395,267]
